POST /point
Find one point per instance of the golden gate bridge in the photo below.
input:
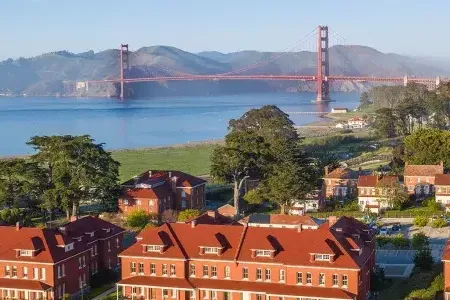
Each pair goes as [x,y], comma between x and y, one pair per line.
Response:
[322,78]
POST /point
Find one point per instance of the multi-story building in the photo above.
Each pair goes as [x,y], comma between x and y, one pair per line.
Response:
[442,190]
[356,123]
[340,183]
[374,191]
[419,179]
[223,262]
[158,191]
[312,202]
[446,262]
[46,263]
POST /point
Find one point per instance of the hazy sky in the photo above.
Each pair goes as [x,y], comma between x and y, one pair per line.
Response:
[32,27]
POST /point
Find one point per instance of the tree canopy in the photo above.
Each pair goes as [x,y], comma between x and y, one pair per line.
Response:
[428,146]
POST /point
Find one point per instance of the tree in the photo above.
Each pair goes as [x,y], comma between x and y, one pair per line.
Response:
[419,241]
[393,194]
[423,259]
[384,123]
[77,171]
[428,146]
[364,100]
[140,218]
[243,154]
[188,214]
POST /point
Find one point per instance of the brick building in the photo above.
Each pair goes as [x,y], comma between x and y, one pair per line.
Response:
[340,183]
[442,190]
[46,263]
[446,262]
[374,190]
[420,179]
[223,262]
[158,191]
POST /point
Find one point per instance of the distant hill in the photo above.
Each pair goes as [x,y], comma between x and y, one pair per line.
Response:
[45,74]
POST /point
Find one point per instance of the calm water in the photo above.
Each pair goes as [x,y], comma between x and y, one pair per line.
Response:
[143,122]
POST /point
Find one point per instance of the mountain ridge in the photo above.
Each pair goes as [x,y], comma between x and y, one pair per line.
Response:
[47,73]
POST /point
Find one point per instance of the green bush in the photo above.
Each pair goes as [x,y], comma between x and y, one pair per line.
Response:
[396,241]
[420,221]
[423,259]
[140,218]
[188,214]
[439,223]
[419,241]
[430,293]
[351,206]
[432,205]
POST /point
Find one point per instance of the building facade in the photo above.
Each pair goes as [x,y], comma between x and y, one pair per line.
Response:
[159,191]
[312,202]
[357,123]
[446,262]
[46,263]
[442,190]
[340,183]
[226,262]
[374,192]
[420,179]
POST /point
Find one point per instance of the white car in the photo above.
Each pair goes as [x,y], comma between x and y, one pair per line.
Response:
[384,231]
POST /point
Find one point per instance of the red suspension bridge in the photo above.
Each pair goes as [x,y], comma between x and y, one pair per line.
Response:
[322,78]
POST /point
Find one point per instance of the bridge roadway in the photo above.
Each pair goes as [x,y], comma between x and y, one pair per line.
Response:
[272,77]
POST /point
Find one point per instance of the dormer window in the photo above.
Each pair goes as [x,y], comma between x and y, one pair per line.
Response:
[91,234]
[79,239]
[107,230]
[26,252]
[211,250]
[153,248]
[68,247]
[323,257]
[264,253]
[125,201]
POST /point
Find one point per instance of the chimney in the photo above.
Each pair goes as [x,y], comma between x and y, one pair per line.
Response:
[441,164]
[299,228]
[193,223]
[18,225]
[73,218]
[332,220]
[170,174]
[326,170]
[149,173]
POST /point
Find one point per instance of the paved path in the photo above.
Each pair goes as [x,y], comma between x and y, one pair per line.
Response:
[101,296]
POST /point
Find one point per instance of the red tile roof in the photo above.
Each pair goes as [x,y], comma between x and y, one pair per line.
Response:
[227,210]
[23,284]
[279,219]
[165,282]
[342,173]
[291,247]
[46,240]
[446,252]
[374,180]
[423,170]
[442,179]
[160,192]
[155,176]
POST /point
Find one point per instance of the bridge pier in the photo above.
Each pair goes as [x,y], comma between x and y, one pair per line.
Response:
[438,81]
[323,65]
[124,65]
[405,80]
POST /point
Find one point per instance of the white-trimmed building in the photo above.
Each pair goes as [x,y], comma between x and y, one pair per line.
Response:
[373,191]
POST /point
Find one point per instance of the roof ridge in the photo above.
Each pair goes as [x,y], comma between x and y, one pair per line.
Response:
[241,241]
[341,246]
[172,232]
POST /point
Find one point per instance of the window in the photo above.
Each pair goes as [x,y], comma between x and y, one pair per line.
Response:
[43,274]
[117,243]
[165,293]
[152,293]
[25,272]
[321,279]
[84,261]
[133,267]
[344,280]
[282,275]
[7,271]
[258,274]
[192,270]
[80,263]
[150,203]
[259,297]
[322,257]
[164,269]
[141,268]
[172,270]
[109,246]
[227,272]
[205,294]
[308,278]
[210,250]
[335,280]
[95,249]
[26,253]
[205,271]
[265,253]
[213,295]
[153,248]
[183,203]
[152,269]
[244,273]
[183,194]
[14,271]
[268,275]
[36,273]
[138,202]
[299,278]
[213,271]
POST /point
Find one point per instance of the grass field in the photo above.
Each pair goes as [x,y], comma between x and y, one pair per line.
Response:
[194,160]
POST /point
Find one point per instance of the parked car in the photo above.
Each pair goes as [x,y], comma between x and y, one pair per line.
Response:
[396,227]
[384,231]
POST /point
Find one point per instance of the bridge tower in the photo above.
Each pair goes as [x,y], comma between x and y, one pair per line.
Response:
[323,65]
[124,65]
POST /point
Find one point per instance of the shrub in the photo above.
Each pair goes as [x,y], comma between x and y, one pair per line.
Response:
[429,293]
[138,218]
[188,214]
[432,205]
[419,241]
[351,206]
[439,223]
[423,259]
[399,241]
[420,221]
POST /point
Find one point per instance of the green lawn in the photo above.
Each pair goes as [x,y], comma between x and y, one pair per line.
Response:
[398,289]
[194,160]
